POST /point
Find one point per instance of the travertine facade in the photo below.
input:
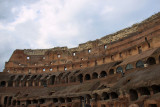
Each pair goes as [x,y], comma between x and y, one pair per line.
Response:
[118,70]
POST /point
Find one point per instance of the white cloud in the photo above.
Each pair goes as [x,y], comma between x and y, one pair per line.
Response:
[50,23]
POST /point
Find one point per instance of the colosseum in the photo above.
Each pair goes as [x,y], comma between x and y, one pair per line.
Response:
[118,70]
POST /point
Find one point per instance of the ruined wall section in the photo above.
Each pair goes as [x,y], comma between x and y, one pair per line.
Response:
[113,47]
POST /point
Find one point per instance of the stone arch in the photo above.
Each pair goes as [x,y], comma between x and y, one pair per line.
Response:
[94,75]
[12,77]
[55,100]
[133,95]
[3,83]
[152,105]
[151,61]
[69,99]
[14,103]
[105,96]
[103,74]
[139,64]
[41,101]
[111,71]
[87,77]
[52,80]
[80,78]
[5,100]
[18,102]
[114,95]
[44,82]
[9,101]
[28,102]
[144,91]
[155,88]
[129,66]
[35,101]
[119,69]
[62,100]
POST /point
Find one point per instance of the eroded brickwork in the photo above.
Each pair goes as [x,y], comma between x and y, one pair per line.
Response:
[118,70]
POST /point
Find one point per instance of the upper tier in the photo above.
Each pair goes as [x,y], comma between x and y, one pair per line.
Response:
[113,47]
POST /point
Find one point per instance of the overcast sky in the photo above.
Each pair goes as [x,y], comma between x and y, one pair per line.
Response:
[39,24]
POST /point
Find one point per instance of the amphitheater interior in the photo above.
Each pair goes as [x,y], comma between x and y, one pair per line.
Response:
[118,70]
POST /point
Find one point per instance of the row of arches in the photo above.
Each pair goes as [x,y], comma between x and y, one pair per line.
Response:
[134,94]
[85,98]
[143,91]
[51,79]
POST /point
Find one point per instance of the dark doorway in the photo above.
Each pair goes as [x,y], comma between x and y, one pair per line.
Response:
[87,77]
[133,95]
[80,78]
[105,96]
[94,75]
[114,95]
[103,74]
[151,61]
[153,105]
[144,91]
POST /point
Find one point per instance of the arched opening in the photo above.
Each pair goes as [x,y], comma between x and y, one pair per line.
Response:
[10,99]
[18,102]
[103,74]
[55,100]
[153,105]
[114,95]
[129,66]
[69,100]
[12,77]
[44,83]
[155,88]
[144,91]
[80,78]
[52,79]
[62,100]
[14,103]
[28,102]
[88,98]
[133,95]
[111,71]
[151,61]
[41,101]
[5,100]
[119,69]
[105,96]
[94,75]
[87,77]
[35,101]
[139,64]
[3,84]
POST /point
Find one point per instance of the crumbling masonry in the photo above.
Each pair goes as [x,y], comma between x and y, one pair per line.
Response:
[118,70]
